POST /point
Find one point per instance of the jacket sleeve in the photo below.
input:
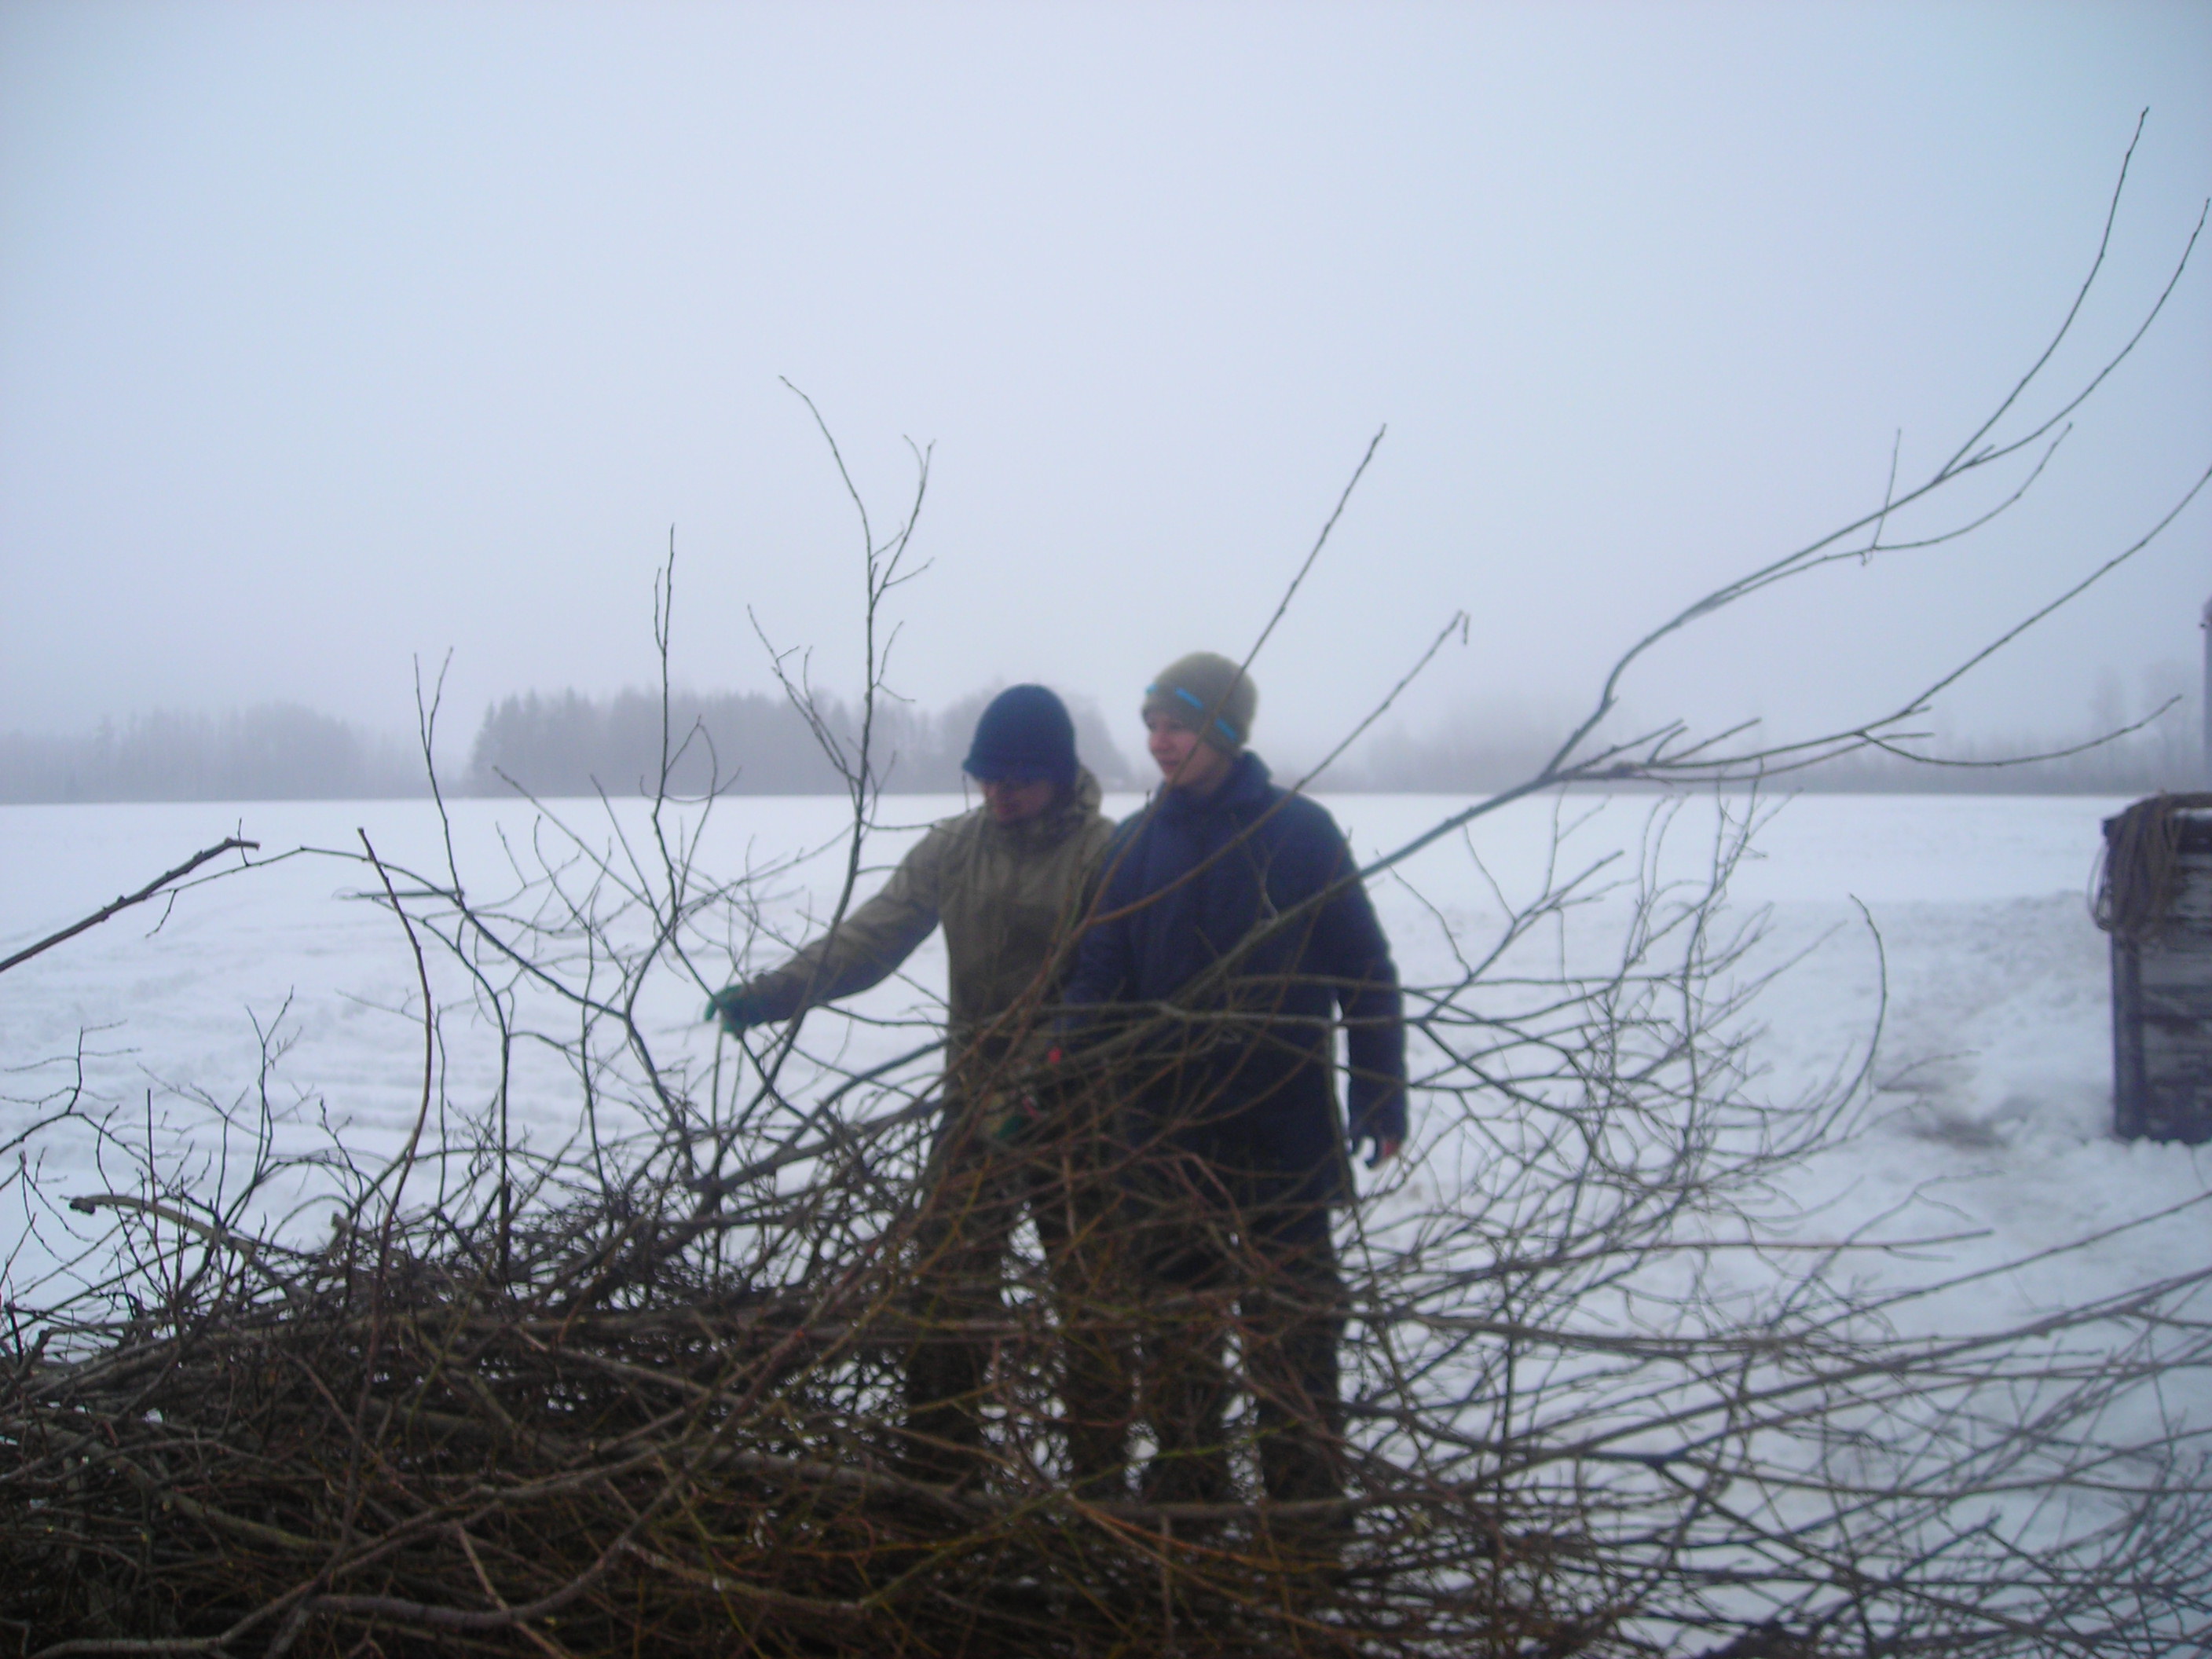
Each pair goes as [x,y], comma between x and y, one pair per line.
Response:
[1357,957]
[867,945]
[1102,970]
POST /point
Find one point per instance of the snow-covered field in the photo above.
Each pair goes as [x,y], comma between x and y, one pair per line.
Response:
[1995,1063]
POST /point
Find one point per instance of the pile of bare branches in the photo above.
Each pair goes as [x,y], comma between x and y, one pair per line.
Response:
[631,1399]
[1610,1392]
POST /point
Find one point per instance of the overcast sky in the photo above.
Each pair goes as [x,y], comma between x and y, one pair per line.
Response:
[332,335]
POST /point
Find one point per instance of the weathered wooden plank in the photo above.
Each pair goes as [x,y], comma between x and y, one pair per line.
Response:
[2182,1003]
[2162,1004]
[2128,1091]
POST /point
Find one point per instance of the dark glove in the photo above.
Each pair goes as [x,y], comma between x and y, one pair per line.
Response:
[1377,1115]
[1385,1146]
[739,1007]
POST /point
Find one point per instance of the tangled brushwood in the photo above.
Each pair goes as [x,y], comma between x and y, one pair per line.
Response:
[643,1395]
[639,1390]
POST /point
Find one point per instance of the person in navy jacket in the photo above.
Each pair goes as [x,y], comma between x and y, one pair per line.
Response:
[1230,939]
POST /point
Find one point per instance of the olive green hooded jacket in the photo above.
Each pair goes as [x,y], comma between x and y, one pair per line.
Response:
[1008,896]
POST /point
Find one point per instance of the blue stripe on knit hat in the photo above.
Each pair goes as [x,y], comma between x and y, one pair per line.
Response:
[1219,724]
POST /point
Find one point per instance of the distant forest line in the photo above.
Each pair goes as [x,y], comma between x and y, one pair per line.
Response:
[750,742]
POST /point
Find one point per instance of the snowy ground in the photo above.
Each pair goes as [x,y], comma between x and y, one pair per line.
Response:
[1995,1060]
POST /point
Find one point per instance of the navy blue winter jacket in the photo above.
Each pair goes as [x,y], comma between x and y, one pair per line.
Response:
[1215,907]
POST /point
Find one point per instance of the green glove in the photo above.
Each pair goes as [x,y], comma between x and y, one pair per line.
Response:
[1012,1117]
[739,1007]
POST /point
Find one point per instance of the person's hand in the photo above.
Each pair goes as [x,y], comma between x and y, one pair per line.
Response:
[739,1007]
[1012,1115]
[1014,1112]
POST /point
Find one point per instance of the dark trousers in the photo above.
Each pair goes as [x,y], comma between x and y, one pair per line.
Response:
[978,1192]
[1216,1250]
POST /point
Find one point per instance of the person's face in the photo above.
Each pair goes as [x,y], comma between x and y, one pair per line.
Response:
[1186,760]
[1016,800]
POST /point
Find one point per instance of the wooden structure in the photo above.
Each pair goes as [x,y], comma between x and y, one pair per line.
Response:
[2155,901]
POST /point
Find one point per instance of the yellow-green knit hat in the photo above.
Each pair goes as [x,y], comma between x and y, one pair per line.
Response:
[1208,694]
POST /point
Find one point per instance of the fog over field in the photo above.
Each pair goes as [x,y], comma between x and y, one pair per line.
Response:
[759,744]
[333,337]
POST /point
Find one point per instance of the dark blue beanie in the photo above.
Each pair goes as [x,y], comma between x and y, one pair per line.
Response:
[1025,733]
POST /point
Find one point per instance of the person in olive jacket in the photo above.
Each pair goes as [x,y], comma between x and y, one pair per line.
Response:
[1007,883]
[1231,938]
